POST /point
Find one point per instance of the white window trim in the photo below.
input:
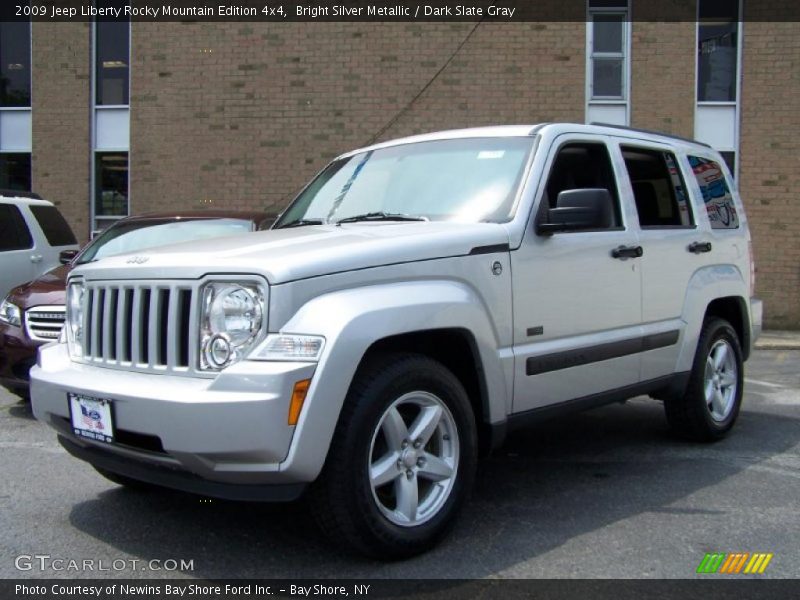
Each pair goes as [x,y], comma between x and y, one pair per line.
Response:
[93,217]
[738,102]
[625,55]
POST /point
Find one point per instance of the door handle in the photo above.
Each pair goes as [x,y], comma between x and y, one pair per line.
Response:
[699,247]
[36,258]
[624,252]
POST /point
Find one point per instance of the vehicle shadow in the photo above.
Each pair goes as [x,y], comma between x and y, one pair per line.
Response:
[545,487]
[21,410]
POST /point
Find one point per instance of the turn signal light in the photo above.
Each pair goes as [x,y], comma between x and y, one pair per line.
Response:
[298,397]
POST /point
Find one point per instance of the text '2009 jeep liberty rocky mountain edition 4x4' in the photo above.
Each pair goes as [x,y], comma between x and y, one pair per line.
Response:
[415,300]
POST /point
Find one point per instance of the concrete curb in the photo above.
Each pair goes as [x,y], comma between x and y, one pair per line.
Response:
[779,340]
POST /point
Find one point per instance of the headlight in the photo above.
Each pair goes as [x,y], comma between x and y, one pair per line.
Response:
[10,313]
[231,321]
[299,348]
[74,328]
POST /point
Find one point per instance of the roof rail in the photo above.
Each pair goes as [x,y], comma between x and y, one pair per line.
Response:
[19,194]
[651,132]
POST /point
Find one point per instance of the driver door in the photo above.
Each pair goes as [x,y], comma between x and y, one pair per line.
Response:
[577,308]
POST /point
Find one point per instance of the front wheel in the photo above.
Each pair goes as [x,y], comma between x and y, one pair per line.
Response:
[710,406]
[402,460]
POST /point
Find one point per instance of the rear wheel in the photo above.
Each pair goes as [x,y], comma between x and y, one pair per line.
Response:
[402,460]
[710,406]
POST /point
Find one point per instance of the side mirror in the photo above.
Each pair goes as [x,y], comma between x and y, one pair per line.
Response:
[590,208]
[66,256]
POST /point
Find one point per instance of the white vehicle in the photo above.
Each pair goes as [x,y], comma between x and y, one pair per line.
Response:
[416,300]
[32,236]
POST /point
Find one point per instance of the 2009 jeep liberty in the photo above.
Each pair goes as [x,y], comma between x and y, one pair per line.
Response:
[417,299]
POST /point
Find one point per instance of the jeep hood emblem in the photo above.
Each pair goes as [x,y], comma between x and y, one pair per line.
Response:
[137,260]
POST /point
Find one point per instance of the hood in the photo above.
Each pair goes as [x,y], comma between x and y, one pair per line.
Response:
[47,289]
[284,255]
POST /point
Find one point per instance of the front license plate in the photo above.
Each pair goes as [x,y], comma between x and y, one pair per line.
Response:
[91,417]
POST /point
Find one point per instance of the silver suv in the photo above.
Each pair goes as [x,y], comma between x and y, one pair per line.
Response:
[418,299]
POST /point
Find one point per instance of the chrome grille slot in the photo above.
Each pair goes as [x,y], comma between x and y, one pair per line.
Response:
[44,323]
[140,326]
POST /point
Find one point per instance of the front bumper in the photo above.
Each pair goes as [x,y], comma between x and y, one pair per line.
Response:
[230,429]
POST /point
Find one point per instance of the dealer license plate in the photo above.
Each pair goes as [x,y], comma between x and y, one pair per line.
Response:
[91,417]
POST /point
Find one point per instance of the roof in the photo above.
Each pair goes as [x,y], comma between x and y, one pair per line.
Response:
[23,197]
[530,130]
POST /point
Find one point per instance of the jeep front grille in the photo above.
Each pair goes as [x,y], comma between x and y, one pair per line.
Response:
[44,323]
[140,326]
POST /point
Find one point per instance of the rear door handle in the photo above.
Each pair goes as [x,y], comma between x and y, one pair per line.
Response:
[624,252]
[699,247]
[36,258]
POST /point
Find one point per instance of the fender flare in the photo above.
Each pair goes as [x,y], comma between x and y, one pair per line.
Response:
[353,320]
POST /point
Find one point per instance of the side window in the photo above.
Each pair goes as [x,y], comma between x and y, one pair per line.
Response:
[55,228]
[658,188]
[14,234]
[716,193]
[582,165]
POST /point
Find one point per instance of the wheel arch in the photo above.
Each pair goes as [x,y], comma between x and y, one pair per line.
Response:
[457,350]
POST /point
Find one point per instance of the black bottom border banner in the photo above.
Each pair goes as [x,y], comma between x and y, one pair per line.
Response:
[718,588]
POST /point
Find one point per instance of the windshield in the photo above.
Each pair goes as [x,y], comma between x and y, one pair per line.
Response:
[468,180]
[133,236]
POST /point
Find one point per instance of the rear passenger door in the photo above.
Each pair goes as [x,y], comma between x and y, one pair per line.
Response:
[673,247]
[16,249]
[576,302]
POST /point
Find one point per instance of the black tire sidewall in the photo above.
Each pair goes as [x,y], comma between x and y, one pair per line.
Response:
[408,374]
[715,330]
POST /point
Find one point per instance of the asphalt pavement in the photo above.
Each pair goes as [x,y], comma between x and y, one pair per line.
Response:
[606,493]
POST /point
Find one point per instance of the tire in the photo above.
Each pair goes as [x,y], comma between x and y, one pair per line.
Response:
[708,409]
[127,482]
[364,498]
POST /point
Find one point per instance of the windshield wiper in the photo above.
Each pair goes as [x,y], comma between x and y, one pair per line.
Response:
[301,223]
[381,216]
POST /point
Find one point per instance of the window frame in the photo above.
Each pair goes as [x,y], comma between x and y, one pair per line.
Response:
[539,205]
[677,156]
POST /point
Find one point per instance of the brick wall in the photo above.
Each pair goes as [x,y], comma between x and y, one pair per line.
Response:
[60,107]
[242,115]
[769,176]
[663,66]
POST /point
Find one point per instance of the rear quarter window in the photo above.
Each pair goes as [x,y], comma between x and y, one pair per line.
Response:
[716,193]
[54,226]
[14,233]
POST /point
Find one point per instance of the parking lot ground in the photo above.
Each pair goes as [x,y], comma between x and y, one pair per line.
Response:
[606,493]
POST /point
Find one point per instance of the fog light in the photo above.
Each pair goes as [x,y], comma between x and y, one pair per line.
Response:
[218,350]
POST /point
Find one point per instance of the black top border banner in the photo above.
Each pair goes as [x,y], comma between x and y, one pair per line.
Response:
[358,11]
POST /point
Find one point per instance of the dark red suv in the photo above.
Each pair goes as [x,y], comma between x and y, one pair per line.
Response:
[33,313]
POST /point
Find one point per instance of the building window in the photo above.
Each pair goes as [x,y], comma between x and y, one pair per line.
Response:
[607,61]
[608,50]
[15,172]
[112,60]
[717,50]
[111,187]
[15,64]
